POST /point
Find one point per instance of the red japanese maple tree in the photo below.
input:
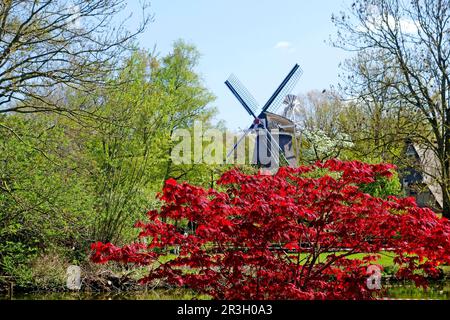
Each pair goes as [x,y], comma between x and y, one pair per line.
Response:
[285,236]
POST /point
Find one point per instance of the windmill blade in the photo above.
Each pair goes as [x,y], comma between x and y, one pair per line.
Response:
[285,87]
[242,94]
[239,141]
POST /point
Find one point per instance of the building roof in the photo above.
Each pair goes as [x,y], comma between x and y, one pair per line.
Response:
[431,167]
[283,122]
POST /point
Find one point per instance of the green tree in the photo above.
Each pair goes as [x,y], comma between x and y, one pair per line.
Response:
[45,202]
[131,146]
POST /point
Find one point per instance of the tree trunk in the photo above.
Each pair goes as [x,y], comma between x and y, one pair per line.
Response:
[445,203]
[445,187]
[446,161]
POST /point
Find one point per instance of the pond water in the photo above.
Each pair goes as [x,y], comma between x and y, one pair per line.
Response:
[159,294]
[437,290]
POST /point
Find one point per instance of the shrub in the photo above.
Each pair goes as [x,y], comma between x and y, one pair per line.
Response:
[287,236]
[49,271]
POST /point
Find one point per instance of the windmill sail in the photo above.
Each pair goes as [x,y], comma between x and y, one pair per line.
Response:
[285,87]
[273,138]
[242,94]
[292,106]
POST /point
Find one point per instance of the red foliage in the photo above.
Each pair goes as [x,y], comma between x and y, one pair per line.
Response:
[285,236]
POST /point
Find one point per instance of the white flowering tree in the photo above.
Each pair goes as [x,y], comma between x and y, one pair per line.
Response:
[318,145]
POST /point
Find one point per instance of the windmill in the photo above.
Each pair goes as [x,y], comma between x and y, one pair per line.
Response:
[292,107]
[273,131]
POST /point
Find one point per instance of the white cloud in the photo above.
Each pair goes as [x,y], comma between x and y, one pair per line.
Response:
[285,46]
[376,22]
[75,12]
[408,26]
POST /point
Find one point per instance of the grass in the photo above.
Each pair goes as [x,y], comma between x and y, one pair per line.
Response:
[386,259]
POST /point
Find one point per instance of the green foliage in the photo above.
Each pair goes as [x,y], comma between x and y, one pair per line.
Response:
[43,199]
[384,187]
[64,182]
[14,259]
[131,145]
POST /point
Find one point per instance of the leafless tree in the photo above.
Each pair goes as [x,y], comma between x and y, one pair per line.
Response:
[46,45]
[413,37]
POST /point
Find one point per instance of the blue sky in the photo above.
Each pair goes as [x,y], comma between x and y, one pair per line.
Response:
[258,41]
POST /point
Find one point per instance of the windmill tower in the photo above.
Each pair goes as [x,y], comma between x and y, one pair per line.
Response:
[274,132]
